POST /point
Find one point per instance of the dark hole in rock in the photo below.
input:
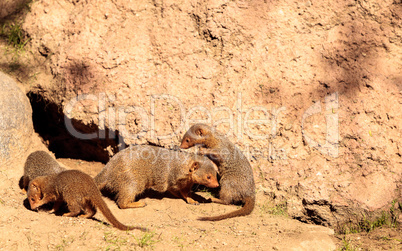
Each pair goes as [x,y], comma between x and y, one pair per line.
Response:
[49,122]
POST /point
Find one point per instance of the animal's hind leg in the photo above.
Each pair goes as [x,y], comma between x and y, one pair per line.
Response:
[125,199]
[225,197]
[89,210]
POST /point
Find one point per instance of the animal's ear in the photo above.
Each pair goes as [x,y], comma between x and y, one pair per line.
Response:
[194,166]
[216,168]
[34,185]
[36,188]
[199,132]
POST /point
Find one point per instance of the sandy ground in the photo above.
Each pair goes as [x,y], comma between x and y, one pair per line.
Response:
[173,225]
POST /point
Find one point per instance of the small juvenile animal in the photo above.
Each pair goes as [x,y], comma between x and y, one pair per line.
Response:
[141,167]
[39,163]
[75,188]
[237,180]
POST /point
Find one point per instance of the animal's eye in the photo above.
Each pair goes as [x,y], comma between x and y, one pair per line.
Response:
[209,177]
[187,140]
[32,199]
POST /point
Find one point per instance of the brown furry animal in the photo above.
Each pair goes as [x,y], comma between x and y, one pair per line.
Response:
[141,167]
[75,188]
[237,180]
[39,163]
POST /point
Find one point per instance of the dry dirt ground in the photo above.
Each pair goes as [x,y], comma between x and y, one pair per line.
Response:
[172,223]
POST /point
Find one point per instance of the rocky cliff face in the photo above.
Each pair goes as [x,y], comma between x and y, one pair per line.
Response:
[311,91]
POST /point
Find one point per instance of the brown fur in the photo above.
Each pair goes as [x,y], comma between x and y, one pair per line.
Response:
[39,163]
[237,180]
[75,188]
[141,167]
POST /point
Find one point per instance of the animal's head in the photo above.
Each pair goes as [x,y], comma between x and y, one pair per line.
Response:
[197,134]
[35,194]
[204,172]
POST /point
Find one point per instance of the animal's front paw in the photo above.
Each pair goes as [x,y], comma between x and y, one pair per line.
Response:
[191,201]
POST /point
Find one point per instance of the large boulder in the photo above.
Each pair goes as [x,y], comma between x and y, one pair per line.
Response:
[16,127]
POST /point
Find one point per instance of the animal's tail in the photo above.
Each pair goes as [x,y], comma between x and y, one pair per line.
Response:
[245,210]
[100,203]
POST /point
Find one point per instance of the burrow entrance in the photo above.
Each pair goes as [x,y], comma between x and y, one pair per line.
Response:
[49,122]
